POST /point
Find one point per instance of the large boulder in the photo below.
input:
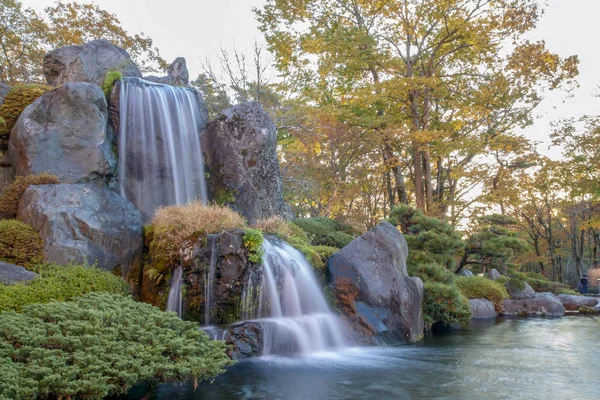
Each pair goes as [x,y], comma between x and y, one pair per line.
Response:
[517,292]
[240,152]
[245,340]
[177,74]
[372,289]
[542,304]
[482,308]
[64,133]
[84,223]
[10,273]
[574,303]
[87,63]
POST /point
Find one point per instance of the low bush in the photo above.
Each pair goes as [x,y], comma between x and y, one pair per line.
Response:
[16,100]
[322,231]
[20,244]
[336,239]
[432,272]
[60,284]
[325,252]
[539,283]
[9,199]
[99,345]
[475,287]
[444,304]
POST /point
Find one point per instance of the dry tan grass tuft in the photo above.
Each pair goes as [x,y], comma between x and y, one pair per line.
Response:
[275,225]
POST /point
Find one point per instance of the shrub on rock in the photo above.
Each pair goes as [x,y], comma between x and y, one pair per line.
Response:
[9,199]
[324,231]
[443,303]
[20,244]
[17,99]
[58,283]
[475,287]
[100,345]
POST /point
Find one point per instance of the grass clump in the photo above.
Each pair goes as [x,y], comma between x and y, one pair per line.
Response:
[57,283]
[100,345]
[175,228]
[109,81]
[20,244]
[9,199]
[253,241]
[475,287]
[16,100]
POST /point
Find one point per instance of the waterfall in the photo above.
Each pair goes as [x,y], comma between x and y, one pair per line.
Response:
[160,159]
[285,297]
[175,299]
[209,278]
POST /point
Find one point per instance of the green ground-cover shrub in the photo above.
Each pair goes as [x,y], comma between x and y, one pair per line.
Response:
[445,304]
[98,345]
[60,284]
[539,282]
[475,287]
[325,252]
[20,244]
[16,100]
[9,199]
[323,231]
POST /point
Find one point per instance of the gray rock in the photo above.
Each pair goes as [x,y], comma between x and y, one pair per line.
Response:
[245,339]
[493,274]
[177,74]
[465,272]
[573,303]
[10,273]
[372,289]
[517,293]
[64,133]
[87,63]
[542,304]
[84,223]
[482,308]
[4,89]
[240,150]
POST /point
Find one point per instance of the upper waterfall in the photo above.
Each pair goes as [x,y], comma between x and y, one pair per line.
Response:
[160,157]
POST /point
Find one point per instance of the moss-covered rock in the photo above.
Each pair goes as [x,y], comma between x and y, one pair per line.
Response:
[20,244]
[10,196]
[17,99]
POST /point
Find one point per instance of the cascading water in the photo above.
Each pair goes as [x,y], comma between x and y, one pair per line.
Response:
[285,297]
[160,159]
[175,301]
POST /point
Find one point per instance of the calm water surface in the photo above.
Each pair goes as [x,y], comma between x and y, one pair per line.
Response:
[502,359]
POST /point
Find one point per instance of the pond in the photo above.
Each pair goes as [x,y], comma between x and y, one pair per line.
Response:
[499,359]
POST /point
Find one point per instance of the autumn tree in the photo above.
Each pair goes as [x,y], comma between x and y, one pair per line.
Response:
[440,80]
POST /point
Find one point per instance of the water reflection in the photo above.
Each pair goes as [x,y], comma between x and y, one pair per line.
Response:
[504,359]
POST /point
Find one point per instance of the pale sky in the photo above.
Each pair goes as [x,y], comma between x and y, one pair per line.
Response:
[197,29]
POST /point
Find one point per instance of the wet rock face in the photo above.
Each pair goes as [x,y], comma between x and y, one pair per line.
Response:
[225,285]
[574,303]
[482,308]
[542,304]
[371,287]
[64,133]
[240,152]
[87,63]
[84,223]
[10,273]
[246,340]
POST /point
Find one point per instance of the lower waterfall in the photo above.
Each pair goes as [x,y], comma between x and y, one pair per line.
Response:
[175,300]
[285,297]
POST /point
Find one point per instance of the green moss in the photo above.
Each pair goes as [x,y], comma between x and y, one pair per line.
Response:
[20,244]
[58,283]
[588,310]
[474,287]
[16,100]
[109,81]
[224,196]
[253,241]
